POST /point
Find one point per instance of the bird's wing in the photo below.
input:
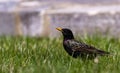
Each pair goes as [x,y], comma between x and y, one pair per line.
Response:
[83,48]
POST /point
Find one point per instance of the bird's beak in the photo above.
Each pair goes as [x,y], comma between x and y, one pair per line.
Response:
[60,29]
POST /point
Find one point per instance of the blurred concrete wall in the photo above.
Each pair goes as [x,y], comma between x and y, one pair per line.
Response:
[41,19]
[7,24]
[81,23]
[85,1]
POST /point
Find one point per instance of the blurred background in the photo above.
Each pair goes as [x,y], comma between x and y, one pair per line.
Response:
[41,17]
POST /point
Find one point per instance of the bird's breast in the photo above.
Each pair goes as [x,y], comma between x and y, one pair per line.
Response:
[67,47]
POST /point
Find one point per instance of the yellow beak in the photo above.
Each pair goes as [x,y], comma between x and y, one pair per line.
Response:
[60,29]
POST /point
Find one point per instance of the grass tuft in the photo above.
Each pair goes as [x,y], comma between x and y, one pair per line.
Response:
[45,55]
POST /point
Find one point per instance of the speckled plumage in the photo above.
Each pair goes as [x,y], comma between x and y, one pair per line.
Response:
[75,48]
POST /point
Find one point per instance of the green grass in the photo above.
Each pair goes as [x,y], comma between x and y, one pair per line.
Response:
[44,55]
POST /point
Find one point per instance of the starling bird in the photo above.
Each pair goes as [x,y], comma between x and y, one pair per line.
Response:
[75,48]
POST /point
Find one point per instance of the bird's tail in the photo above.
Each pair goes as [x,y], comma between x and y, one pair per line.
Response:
[100,52]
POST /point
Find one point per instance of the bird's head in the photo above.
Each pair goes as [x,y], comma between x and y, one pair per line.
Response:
[67,33]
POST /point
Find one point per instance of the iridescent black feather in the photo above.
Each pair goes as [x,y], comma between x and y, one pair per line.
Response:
[79,49]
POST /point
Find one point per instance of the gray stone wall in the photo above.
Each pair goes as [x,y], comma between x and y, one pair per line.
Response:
[7,24]
[103,23]
[45,17]
[85,1]
[80,23]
